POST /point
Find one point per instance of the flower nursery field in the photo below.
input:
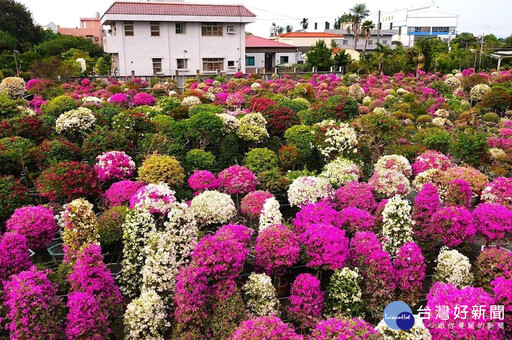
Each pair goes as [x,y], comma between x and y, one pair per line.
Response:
[250,209]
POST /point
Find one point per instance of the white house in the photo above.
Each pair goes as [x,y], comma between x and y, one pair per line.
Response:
[264,55]
[414,24]
[147,38]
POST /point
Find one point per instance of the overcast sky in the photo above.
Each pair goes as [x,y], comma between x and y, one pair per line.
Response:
[475,16]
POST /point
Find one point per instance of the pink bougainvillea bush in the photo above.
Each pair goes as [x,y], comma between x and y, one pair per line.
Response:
[499,191]
[355,195]
[493,221]
[85,319]
[353,220]
[37,224]
[343,328]
[120,192]
[453,225]
[156,198]
[502,290]
[326,246]
[306,301]
[265,327]
[252,203]
[458,192]
[431,159]
[14,255]
[114,165]
[410,267]
[276,249]
[237,180]
[321,212]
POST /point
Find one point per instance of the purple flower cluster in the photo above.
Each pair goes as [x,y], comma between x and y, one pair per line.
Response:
[120,99]
[313,213]
[493,221]
[202,180]
[190,297]
[410,269]
[86,319]
[237,231]
[114,165]
[306,301]
[355,194]
[502,289]
[37,224]
[252,203]
[453,225]
[458,193]
[426,204]
[326,247]
[32,306]
[121,192]
[353,220]
[378,283]
[237,180]
[142,98]
[443,298]
[499,191]
[276,249]
[265,327]
[431,159]
[14,255]
[342,328]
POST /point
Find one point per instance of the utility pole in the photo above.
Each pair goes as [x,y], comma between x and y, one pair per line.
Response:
[481,51]
[378,28]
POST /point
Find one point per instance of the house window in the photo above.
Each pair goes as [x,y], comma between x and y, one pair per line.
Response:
[128,28]
[182,64]
[213,64]
[231,29]
[211,29]
[157,65]
[370,42]
[231,63]
[180,28]
[283,60]
[155,28]
[249,61]
[345,42]
[384,42]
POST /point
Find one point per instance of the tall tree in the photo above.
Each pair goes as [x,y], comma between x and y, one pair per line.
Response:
[304,23]
[17,21]
[343,19]
[366,31]
[319,56]
[289,28]
[359,12]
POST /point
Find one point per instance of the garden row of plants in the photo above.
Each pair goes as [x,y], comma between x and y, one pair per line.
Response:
[249,209]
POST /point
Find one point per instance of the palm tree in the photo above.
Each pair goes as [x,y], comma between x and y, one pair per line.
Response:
[304,23]
[289,28]
[359,12]
[344,18]
[366,31]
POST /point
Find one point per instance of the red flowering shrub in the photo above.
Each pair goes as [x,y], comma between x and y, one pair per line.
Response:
[13,195]
[30,127]
[290,156]
[55,151]
[490,264]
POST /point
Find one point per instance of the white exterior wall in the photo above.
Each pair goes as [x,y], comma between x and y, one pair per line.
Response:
[136,52]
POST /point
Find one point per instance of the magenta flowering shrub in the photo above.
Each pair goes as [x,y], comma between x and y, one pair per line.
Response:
[425,205]
[502,290]
[120,99]
[14,255]
[37,224]
[378,275]
[276,249]
[306,301]
[493,221]
[202,180]
[499,191]
[91,275]
[142,98]
[342,328]
[120,192]
[353,220]
[410,267]
[453,225]
[356,195]
[265,327]
[441,302]
[236,231]
[114,165]
[237,180]
[326,246]
[85,319]
[313,213]
[252,204]
[32,304]
[431,159]
[458,192]
[236,99]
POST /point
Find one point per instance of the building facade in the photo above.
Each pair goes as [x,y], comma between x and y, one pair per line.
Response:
[90,28]
[304,40]
[162,38]
[264,55]
[385,38]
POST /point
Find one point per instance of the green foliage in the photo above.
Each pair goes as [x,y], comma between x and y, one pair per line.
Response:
[9,107]
[161,144]
[205,108]
[13,195]
[344,294]
[341,59]
[471,147]
[133,125]
[160,168]
[103,140]
[54,151]
[319,56]
[491,117]
[434,139]
[59,105]
[261,159]
[16,20]
[14,153]
[497,99]
[382,127]
[110,223]
[229,151]
[102,66]
[198,159]
[205,128]
[301,136]
[162,123]
[424,119]
[297,104]
[273,181]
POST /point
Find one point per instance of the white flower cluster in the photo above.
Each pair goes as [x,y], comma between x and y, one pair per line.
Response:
[138,225]
[478,92]
[356,91]
[146,318]
[80,224]
[434,176]
[212,207]
[417,332]
[452,81]
[92,99]
[260,295]
[231,123]
[387,183]
[397,224]
[14,87]
[344,294]
[338,138]
[253,127]
[439,121]
[453,267]
[157,198]
[308,189]
[395,163]
[191,101]
[442,113]
[255,87]
[381,110]
[270,213]
[76,120]
[497,153]
[367,101]
[402,91]
[341,171]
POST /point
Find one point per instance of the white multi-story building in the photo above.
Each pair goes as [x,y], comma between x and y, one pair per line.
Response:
[147,38]
[413,24]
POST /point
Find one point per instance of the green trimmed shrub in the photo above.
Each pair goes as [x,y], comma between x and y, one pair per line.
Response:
[103,140]
[204,128]
[13,195]
[159,168]
[110,223]
[205,108]
[261,159]
[14,153]
[471,147]
[198,159]
[491,117]
[58,106]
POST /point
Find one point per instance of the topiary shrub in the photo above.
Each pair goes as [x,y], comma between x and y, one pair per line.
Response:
[204,128]
[30,127]
[471,147]
[132,124]
[10,108]
[491,117]
[55,151]
[15,152]
[104,140]
[159,168]
[13,195]
[58,106]
[198,159]
[261,159]
[424,119]
[37,224]
[205,108]
[110,223]
[497,99]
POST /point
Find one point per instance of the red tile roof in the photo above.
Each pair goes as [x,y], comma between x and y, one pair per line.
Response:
[155,8]
[254,41]
[310,35]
